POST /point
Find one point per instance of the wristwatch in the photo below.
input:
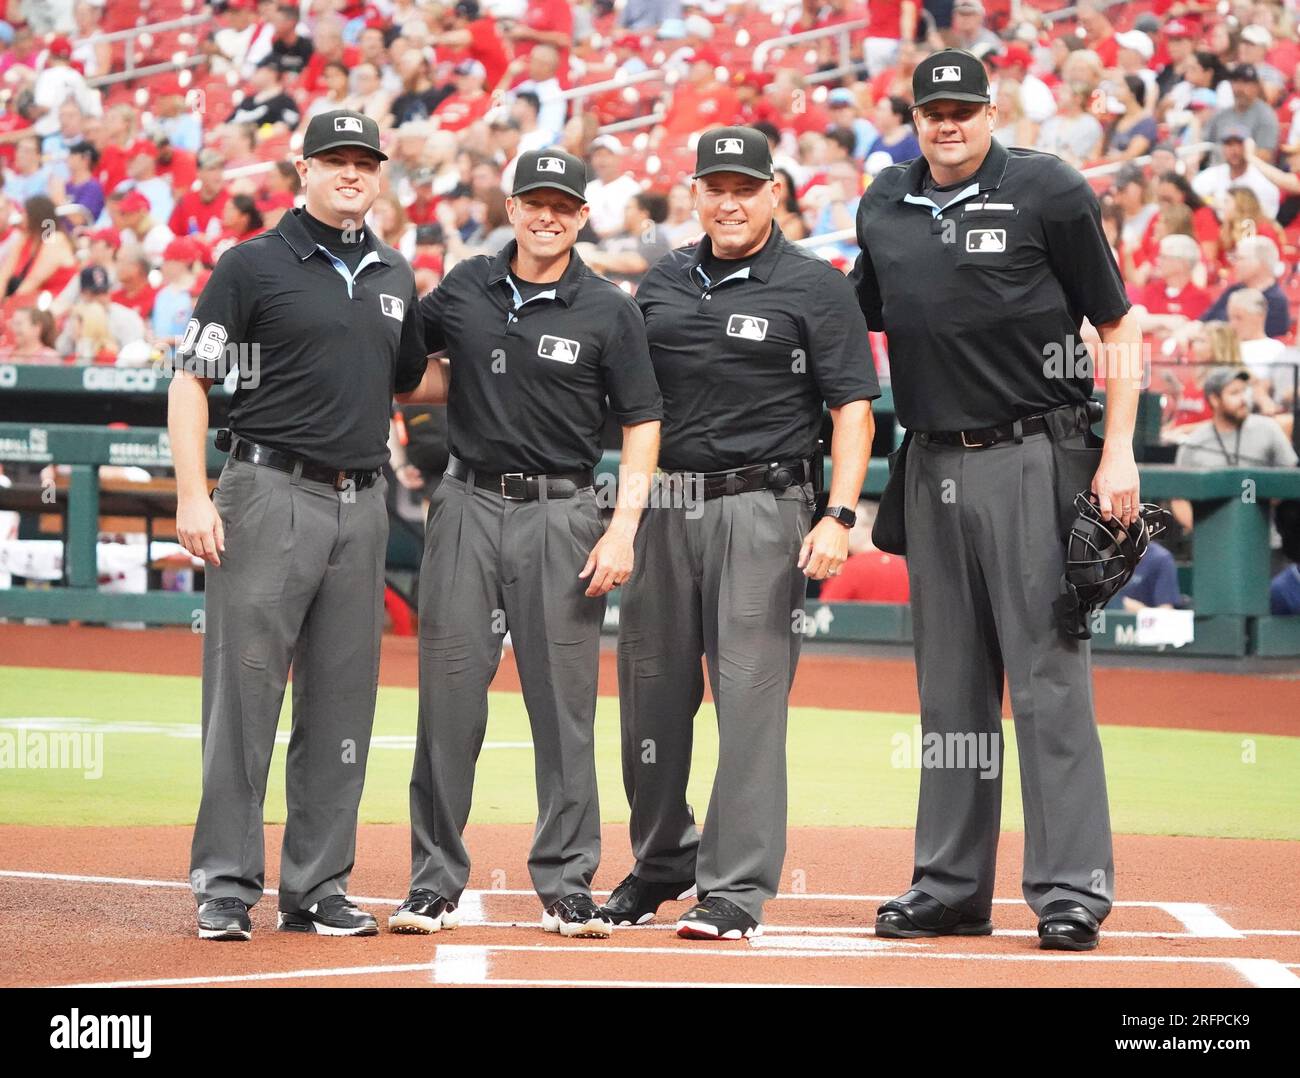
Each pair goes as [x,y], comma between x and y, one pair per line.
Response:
[838,513]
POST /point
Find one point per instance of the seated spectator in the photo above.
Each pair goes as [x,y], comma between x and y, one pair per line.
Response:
[1205,85]
[1171,298]
[968,30]
[419,97]
[370,97]
[133,287]
[789,214]
[328,49]
[1133,132]
[33,334]
[1253,51]
[82,188]
[289,48]
[334,92]
[699,101]
[838,208]
[1244,217]
[132,217]
[28,177]
[525,110]
[1232,437]
[1248,114]
[1173,189]
[1134,200]
[846,116]
[38,257]
[469,101]
[241,220]
[96,327]
[545,24]
[1254,265]
[1014,127]
[681,226]
[1033,98]
[610,189]
[1154,583]
[1170,219]
[486,231]
[893,118]
[643,241]
[464,26]
[1214,183]
[239,145]
[541,65]
[1260,353]
[174,120]
[71,130]
[198,212]
[174,303]
[1073,134]
[868,575]
[142,176]
[388,220]
[753,106]
[267,104]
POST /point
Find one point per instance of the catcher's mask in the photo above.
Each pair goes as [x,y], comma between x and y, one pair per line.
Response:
[1100,556]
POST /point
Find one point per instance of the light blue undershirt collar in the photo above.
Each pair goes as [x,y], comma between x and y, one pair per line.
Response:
[935,208]
[341,266]
[519,300]
[740,274]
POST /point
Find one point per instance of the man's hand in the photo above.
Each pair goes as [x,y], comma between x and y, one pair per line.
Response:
[610,562]
[410,477]
[199,528]
[1115,485]
[824,549]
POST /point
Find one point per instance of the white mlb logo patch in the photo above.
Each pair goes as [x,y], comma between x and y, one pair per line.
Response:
[392,306]
[947,74]
[550,164]
[560,349]
[728,145]
[986,240]
[347,123]
[748,327]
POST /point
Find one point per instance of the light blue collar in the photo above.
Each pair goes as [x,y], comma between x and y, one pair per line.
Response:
[341,266]
[935,209]
[519,300]
[740,274]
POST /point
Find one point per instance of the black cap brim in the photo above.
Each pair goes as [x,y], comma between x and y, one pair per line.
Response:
[347,142]
[953,95]
[744,170]
[538,185]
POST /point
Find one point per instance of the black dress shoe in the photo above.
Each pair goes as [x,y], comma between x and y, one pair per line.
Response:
[915,915]
[1064,925]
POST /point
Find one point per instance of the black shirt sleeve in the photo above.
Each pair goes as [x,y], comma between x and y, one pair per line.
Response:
[629,374]
[431,315]
[222,317]
[864,277]
[412,359]
[1077,250]
[839,352]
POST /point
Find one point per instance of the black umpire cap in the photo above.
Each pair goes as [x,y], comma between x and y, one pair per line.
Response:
[734,149]
[342,127]
[551,167]
[950,75]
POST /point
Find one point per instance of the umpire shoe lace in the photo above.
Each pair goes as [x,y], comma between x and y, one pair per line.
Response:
[636,901]
[423,913]
[576,916]
[225,919]
[717,918]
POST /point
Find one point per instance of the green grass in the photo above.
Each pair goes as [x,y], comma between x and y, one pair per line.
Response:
[842,773]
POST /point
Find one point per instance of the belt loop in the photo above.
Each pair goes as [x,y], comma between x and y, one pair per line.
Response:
[297,472]
[1018,431]
[469,481]
[543,489]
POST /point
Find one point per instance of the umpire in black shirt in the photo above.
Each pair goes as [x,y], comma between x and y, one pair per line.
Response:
[320,315]
[539,350]
[980,264]
[749,334]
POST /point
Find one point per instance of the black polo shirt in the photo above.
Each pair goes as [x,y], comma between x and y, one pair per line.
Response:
[745,361]
[531,381]
[982,299]
[330,352]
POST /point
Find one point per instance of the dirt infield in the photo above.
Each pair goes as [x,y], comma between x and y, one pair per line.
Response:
[1192,912]
[1174,699]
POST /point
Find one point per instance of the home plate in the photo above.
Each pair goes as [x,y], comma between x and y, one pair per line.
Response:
[838,944]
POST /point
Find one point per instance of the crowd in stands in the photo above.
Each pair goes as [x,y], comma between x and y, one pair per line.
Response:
[117,195]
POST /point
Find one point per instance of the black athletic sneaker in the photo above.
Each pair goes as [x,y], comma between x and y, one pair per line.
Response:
[333,915]
[636,901]
[423,913]
[717,919]
[577,916]
[225,919]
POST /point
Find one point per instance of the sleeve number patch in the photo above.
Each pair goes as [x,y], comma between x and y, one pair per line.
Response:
[207,345]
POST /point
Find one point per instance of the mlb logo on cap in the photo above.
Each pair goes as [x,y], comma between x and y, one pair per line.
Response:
[550,164]
[729,145]
[560,349]
[339,128]
[947,74]
[950,75]
[733,149]
[347,123]
[392,306]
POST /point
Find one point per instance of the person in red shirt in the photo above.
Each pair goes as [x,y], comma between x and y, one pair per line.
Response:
[1099,35]
[891,21]
[327,45]
[1171,298]
[133,288]
[752,106]
[548,22]
[114,141]
[699,101]
[199,211]
[470,101]
[869,575]
[793,99]
[466,28]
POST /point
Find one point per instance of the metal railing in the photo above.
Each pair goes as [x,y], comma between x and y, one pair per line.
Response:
[843,31]
[130,35]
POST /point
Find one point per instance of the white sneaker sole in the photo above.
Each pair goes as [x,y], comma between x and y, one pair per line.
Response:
[326,930]
[415,924]
[597,929]
[224,934]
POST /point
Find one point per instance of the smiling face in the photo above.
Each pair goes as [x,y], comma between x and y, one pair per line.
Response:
[736,211]
[340,185]
[546,222]
[955,136]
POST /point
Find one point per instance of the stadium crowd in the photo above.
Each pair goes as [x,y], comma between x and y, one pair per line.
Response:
[118,194]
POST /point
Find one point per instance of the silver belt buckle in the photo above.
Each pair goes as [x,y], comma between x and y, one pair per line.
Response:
[971,445]
[513,475]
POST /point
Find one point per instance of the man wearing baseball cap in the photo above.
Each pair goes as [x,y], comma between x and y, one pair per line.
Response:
[980,263]
[539,351]
[751,336]
[318,315]
[1249,113]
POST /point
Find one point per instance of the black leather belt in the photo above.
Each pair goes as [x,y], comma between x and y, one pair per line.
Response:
[982,439]
[520,487]
[281,461]
[775,476]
